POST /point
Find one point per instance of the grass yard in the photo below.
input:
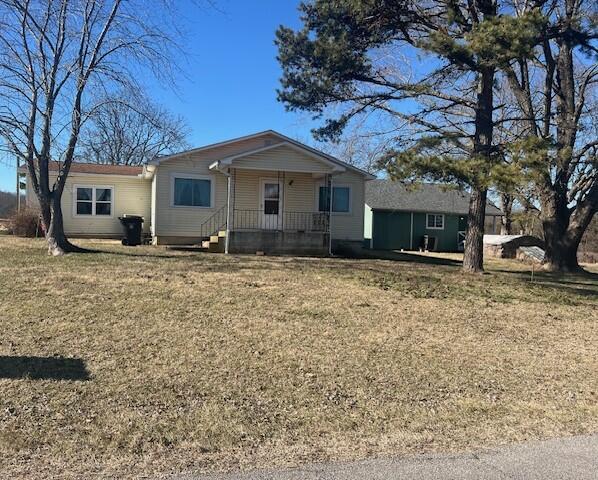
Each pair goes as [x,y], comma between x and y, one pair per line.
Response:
[152,361]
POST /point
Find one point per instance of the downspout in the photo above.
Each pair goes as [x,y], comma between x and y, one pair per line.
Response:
[228,189]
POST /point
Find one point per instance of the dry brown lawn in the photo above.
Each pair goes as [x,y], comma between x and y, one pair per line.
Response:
[153,361]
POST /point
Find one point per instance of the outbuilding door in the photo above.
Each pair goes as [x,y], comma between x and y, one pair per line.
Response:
[391,230]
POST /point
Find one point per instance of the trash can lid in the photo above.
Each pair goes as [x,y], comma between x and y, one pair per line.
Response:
[128,215]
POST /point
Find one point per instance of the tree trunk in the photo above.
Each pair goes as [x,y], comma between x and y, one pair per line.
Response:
[506,221]
[473,256]
[561,256]
[58,244]
[564,229]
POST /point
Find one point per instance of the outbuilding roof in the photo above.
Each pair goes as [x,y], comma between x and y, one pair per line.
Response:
[425,197]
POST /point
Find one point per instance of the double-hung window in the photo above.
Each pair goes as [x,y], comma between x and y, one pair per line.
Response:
[435,221]
[192,191]
[93,200]
[341,199]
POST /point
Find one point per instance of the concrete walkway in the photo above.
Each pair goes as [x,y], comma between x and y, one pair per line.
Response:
[567,458]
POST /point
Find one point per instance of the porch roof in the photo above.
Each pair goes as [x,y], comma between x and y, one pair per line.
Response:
[284,156]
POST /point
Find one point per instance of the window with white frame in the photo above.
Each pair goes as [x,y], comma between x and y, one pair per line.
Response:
[435,221]
[341,199]
[192,191]
[93,200]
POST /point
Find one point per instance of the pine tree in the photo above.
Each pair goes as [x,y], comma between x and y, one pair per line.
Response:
[350,59]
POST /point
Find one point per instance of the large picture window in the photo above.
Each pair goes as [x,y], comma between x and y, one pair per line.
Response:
[93,200]
[341,199]
[192,191]
[435,221]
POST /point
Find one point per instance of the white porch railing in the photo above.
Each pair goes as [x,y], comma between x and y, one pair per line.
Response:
[286,221]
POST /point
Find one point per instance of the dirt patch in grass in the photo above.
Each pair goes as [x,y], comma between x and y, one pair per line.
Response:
[193,362]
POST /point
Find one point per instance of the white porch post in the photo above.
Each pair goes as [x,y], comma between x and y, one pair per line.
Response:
[228,212]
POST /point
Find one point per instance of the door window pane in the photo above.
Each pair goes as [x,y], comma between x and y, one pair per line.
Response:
[271,207]
[271,190]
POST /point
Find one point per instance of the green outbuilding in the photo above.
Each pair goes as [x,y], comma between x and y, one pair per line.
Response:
[419,217]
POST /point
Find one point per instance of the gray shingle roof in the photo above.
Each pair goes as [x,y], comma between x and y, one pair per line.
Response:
[426,197]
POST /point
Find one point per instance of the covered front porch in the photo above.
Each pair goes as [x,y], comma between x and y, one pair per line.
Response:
[285,209]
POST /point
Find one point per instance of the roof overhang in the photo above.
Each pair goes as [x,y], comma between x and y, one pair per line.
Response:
[284,140]
[228,162]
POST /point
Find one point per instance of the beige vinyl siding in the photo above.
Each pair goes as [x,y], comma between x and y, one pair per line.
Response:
[131,195]
[273,158]
[246,189]
[297,190]
[186,221]
[349,226]
[299,196]
[178,220]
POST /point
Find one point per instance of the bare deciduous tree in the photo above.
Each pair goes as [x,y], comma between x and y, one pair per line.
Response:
[54,55]
[555,93]
[131,130]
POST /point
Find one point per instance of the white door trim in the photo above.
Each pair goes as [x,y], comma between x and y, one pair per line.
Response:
[271,222]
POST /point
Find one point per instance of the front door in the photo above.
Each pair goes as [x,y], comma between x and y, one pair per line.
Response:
[271,206]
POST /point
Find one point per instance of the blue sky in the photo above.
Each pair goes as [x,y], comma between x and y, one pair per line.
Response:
[231,76]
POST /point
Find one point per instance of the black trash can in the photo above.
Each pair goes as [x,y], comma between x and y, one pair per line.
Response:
[132,225]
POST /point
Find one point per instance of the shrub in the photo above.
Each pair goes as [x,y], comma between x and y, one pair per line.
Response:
[26,223]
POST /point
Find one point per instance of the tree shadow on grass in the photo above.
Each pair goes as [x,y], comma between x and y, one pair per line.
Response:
[43,368]
[404,257]
[583,278]
[142,254]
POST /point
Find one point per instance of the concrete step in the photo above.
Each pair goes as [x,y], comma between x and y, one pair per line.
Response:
[216,248]
[222,233]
